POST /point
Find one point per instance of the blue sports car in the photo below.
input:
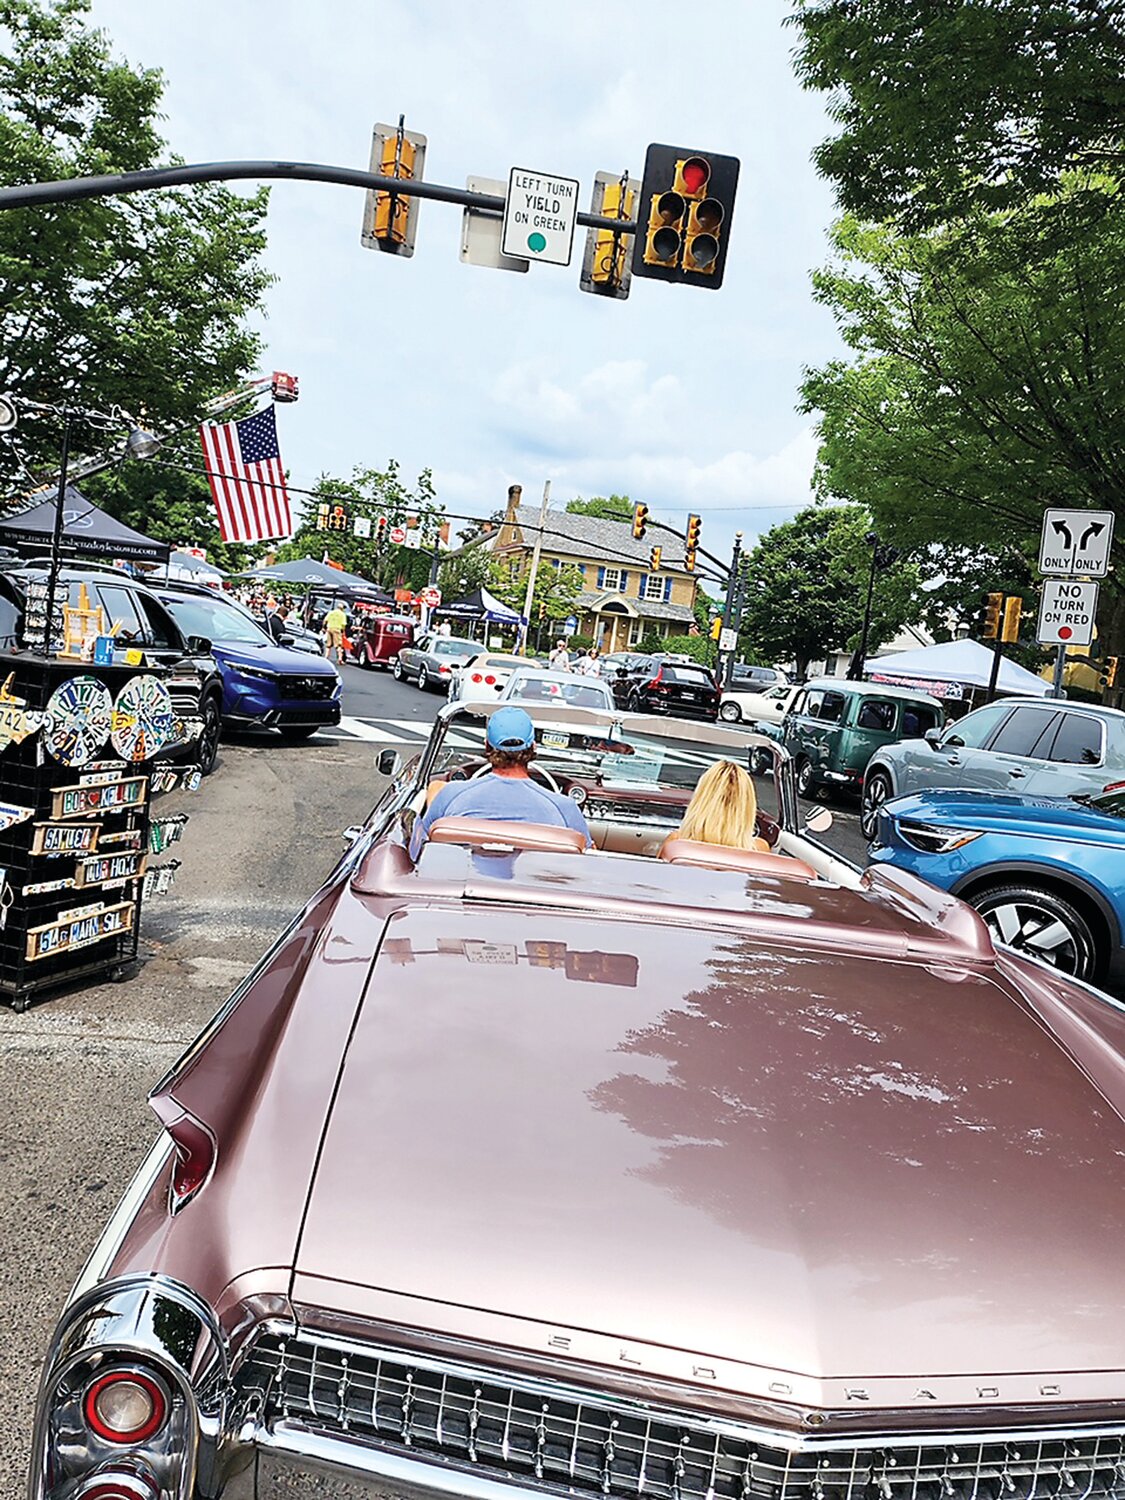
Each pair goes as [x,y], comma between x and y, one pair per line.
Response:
[1046,873]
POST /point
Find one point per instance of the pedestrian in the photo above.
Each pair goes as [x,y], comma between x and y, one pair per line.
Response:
[275,626]
[335,623]
[590,665]
[445,629]
[559,658]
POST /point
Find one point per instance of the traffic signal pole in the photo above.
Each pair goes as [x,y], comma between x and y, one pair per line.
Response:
[732,608]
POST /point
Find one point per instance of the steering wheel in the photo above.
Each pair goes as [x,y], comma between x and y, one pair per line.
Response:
[533,769]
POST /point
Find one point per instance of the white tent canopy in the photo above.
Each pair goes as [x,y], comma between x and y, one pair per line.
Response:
[963,664]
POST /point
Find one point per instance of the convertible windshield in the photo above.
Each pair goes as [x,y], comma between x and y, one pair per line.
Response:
[602,749]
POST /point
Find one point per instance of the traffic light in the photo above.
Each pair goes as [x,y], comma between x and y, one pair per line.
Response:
[988,616]
[654,559]
[322,513]
[691,541]
[1013,611]
[380,531]
[338,519]
[683,215]
[606,269]
[390,220]
[1108,674]
[640,521]
[716,627]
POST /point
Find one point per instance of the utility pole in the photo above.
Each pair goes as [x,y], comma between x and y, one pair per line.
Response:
[731,611]
[534,569]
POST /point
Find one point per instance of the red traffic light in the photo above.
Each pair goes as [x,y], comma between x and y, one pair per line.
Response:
[696,173]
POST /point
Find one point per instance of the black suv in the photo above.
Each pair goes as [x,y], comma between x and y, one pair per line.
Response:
[194,683]
[671,685]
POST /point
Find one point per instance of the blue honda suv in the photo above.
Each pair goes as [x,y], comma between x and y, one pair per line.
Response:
[265,685]
[1046,873]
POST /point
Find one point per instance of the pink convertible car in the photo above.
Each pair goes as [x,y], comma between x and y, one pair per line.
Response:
[654,1170]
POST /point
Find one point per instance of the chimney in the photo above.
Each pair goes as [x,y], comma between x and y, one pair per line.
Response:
[514,493]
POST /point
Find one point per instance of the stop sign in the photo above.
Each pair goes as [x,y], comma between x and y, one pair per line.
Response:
[431,597]
[398,535]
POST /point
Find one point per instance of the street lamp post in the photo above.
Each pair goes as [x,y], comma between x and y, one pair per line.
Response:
[882,556]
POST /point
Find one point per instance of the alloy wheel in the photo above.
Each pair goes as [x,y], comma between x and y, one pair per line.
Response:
[805,777]
[1041,924]
[396,670]
[730,712]
[423,678]
[876,790]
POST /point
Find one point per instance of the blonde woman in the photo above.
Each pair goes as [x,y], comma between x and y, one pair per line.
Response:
[723,809]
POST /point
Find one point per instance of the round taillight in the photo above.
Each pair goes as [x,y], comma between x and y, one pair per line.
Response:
[125,1406]
[120,1486]
[491,681]
[476,677]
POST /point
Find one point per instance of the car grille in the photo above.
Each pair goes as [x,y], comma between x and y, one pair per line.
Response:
[319,686]
[600,1445]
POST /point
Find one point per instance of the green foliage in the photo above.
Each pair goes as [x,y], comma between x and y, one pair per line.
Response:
[989,377]
[945,107]
[371,493]
[698,647]
[580,642]
[138,301]
[652,640]
[807,584]
[605,507]
[556,589]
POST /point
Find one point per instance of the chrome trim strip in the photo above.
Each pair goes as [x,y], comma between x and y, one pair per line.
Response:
[113,1235]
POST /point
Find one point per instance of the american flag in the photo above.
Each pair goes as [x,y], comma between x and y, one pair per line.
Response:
[247,480]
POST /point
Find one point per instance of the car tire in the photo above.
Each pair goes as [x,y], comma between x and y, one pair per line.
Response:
[876,789]
[806,778]
[761,762]
[363,660]
[423,678]
[396,670]
[212,715]
[1043,924]
[730,712]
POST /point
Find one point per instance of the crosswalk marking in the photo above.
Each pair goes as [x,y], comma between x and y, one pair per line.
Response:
[394,732]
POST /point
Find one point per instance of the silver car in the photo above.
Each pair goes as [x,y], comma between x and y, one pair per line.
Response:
[432,660]
[1039,747]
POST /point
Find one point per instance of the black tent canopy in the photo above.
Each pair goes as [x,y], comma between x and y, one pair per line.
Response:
[87,532]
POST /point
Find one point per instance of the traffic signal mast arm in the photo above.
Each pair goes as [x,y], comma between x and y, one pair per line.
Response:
[71,189]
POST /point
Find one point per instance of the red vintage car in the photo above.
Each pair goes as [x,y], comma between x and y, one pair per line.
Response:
[650,1171]
[376,640]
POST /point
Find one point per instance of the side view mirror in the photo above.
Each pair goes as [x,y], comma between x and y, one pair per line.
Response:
[199,644]
[819,820]
[351,833]
[285,639]
[386,762]
[932,737]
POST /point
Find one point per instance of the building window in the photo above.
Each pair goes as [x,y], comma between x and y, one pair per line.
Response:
[611,579]
[636,630]
[654,586]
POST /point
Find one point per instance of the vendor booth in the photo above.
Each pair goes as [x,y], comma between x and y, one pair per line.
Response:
[87,531]
[481,605]
[957,672]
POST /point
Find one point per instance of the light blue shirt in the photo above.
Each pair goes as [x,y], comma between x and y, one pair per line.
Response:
[505,799]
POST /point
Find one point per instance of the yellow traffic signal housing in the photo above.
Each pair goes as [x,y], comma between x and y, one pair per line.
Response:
[322,513]
[654,559]
[988,620]
[716,627]
[390,220]
[339,518]
[685,206]
[606,268]
[1108,675]
[691,541]
[1013,612]
[640,521]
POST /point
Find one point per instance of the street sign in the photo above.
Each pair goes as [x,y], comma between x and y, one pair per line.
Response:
[1067,612]
[397,535]
[728,639]
[570,625]
[361,526]
[539,216]
[430,597]
[1075,543]
[480,231]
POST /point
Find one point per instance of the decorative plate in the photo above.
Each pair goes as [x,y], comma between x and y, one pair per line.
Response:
[77,722]
[143,719]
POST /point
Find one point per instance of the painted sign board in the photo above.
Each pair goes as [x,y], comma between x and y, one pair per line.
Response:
[1076,543]
[1067,611]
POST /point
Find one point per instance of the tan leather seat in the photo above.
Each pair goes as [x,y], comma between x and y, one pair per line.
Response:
[719,857]
[480,833]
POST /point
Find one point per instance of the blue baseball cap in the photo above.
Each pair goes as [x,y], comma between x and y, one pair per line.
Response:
[510,729]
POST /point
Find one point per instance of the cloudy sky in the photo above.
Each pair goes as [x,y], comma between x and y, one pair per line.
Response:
[682,398]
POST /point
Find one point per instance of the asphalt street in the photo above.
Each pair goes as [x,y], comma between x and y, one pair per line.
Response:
[75,1069]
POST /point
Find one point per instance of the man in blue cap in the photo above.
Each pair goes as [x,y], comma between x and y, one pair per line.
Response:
[509,794]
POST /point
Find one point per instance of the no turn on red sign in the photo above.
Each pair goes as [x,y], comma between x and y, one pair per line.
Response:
[1067,612]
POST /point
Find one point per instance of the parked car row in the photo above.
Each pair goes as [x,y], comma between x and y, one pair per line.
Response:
[227,670]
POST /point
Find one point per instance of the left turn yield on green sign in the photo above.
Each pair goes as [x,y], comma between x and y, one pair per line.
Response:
[539,216]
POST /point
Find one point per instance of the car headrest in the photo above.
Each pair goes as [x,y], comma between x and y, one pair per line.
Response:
[719,857]
[492,833]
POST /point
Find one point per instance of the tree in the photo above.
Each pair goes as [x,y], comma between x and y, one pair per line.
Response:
[604,507]
[136,301]
[957,104]
[372,493]
[807,583]
[987,381]
[556,589]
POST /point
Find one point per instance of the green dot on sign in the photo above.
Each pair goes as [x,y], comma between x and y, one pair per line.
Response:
[537,242]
